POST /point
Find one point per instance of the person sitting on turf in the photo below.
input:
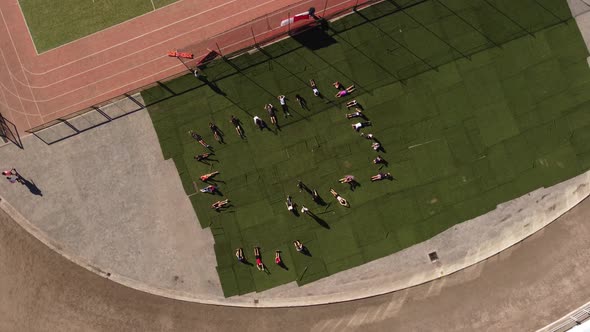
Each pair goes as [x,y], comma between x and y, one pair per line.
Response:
[339,198]
[236,122]
[240,255]
[304,210]
[380,176]
[316,197]
[283,101]
[271,113]
[208,176]
[209,189]
[290,204]
[12,176]
[220,204]
[314,88]
[302,102]
[368,136]
[359,125]
[259,122]
[278,259]
[259,263]
[347,179]
[338,85]
[346,92]
[376,146]
[353,103]
[216,132]
[379,160]
[301,186]
[350,180]
[358,113]
[298,245]
[201,157]
[199,139]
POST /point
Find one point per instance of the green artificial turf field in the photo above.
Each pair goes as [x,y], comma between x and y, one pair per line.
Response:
[460,139]
[63,21]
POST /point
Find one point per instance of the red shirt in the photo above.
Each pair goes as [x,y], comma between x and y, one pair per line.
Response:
[258,261]
[278,260]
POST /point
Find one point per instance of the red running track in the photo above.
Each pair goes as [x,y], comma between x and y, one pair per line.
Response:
[38,88]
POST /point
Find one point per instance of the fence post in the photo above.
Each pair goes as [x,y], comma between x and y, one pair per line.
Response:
[289,21]
[253,36]
[218,49]
[325,7]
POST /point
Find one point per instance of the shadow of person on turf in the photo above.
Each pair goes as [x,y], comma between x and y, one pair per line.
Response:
[320,221]
[317,219]
[306,251]
[354,184]
[206,161]
[283,266]
[318,199]
[246,262]
[212,85]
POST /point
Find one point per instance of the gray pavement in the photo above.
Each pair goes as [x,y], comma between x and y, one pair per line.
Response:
[578,7]
[581,12]
[521,289]
[109,198]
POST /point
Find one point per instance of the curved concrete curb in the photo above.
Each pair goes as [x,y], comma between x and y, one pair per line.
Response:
[507,225]
[569,321]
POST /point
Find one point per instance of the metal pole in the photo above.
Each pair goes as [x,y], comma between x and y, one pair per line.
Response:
[187,67]
[253,36]
[218,49]
[325,7]
[289,21]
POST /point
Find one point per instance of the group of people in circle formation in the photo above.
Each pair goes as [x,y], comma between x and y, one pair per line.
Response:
[261,124]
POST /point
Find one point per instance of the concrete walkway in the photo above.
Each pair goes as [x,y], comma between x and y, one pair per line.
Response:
[522,289]
[111,200]
[112,204]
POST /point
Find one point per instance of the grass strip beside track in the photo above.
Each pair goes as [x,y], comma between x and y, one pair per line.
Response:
[63,21]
